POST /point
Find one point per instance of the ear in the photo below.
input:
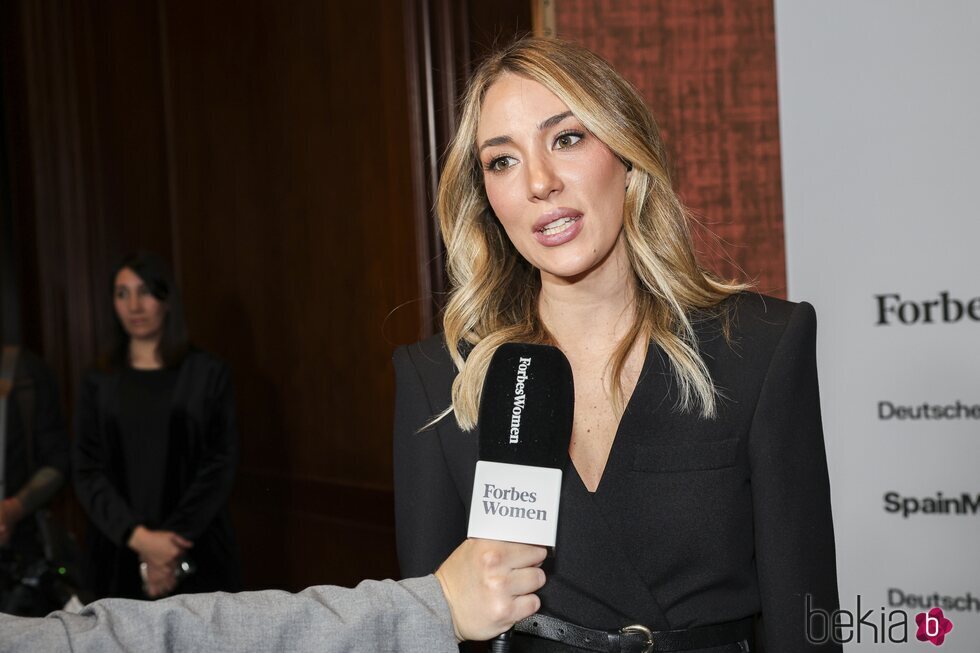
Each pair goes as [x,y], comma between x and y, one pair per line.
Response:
[629,171]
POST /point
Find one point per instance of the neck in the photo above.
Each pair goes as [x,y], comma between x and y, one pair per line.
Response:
[593,311]
[144,354]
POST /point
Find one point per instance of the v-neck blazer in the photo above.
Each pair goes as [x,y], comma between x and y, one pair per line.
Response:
[695,521]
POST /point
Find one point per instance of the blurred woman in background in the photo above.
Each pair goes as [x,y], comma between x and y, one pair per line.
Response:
[156,448]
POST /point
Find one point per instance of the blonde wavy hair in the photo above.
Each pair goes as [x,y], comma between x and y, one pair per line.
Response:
[494,290]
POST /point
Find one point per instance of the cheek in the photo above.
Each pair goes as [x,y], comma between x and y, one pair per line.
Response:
[496,199]
[609,187]
[157,310]
[505,208]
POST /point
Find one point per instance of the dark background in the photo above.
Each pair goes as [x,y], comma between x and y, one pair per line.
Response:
[284,157]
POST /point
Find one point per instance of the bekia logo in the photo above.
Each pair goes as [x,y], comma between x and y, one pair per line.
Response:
[873,626]
[933,626]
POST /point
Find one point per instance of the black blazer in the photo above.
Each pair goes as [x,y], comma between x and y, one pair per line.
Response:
[694,522]
[200,470]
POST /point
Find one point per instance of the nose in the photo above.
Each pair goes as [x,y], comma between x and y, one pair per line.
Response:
[134,303]
[542,178]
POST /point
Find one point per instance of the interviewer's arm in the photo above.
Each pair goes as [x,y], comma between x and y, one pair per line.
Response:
[489,586]
[410,615]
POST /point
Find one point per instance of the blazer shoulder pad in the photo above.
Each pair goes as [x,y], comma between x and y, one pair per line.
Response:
[757,316]
[432,362]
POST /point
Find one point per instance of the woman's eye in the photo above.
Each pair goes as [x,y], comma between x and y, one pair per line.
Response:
[567,139]
[499,164]
[121,294]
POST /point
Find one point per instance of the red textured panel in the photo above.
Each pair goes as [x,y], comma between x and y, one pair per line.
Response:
[707,69]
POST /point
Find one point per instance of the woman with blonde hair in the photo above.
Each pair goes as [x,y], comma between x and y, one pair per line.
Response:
[696,512]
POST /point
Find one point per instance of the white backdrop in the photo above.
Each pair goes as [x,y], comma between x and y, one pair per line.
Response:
[880,131]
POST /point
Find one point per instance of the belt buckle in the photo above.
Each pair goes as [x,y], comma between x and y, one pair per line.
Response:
[643,630]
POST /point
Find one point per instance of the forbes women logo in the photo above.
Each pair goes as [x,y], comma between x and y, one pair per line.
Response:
[933,626]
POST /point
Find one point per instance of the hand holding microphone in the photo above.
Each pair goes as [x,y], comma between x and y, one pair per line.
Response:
[525,423]
[490,586]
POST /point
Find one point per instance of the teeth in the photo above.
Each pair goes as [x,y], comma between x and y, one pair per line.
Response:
[558,226]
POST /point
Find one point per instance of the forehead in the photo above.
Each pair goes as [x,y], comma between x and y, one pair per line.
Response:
[516,102]
[127,277]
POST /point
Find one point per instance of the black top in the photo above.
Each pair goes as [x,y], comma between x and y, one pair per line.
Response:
[145,397]
[158,448]
[694,522]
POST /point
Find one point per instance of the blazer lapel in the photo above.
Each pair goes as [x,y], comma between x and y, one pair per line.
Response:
[461,449]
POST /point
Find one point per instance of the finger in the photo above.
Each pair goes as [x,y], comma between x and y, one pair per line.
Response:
[181,542]
[158,574]
[525,606]
[525,581]
[522,555]
[165,566]
[157,559]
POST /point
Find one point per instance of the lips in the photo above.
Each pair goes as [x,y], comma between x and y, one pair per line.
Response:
[552,217]
[558,226]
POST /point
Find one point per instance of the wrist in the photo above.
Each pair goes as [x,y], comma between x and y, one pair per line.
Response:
[13,510]
[135,539]
[449,601]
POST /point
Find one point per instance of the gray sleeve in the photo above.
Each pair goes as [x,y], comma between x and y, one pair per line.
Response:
[409,615]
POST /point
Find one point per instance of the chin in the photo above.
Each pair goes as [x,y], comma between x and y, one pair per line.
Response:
[570,268]
[141,333]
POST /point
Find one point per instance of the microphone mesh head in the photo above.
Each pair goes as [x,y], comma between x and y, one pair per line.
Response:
[527,406]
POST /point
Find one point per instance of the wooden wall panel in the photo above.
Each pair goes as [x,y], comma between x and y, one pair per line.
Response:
[292,160]
[20,310]
[708,71]
[125,96]
[295,230]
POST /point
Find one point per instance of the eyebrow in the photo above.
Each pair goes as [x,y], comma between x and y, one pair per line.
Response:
[545,124]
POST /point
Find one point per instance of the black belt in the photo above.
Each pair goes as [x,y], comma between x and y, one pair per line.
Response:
[636,639]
